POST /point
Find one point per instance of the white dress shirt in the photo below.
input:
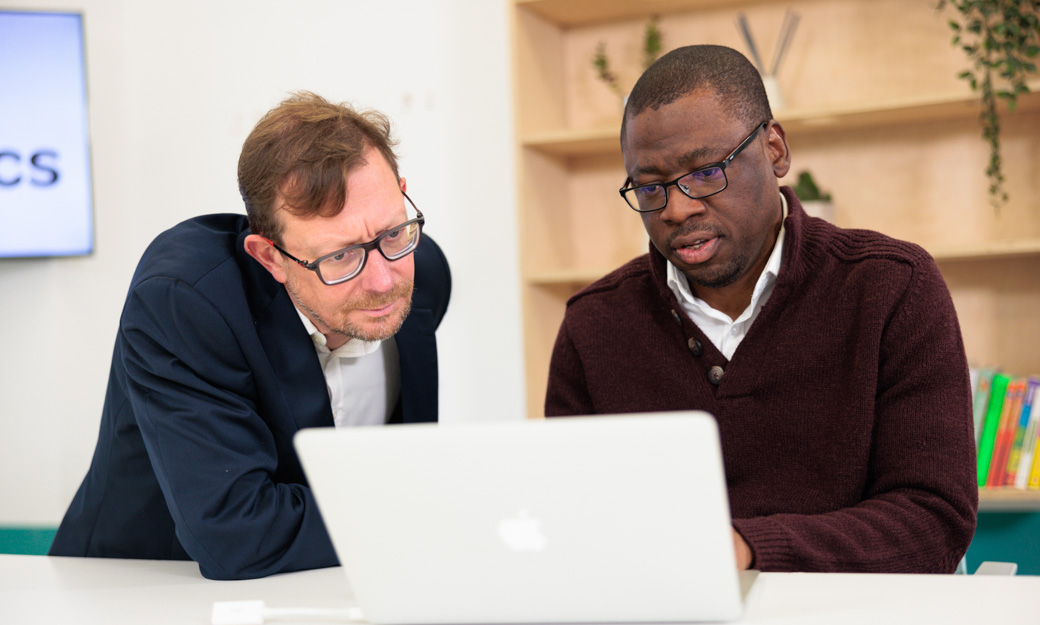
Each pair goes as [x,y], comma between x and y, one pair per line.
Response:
[363,378]
[725,333]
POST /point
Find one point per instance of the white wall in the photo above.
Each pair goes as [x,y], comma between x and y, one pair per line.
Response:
[174,87]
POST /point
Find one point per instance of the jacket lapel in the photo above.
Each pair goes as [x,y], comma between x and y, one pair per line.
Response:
[417,347]
[289,350]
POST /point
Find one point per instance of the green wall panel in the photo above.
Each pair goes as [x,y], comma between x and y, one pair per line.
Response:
[1000,536]
[1007,537]
[26,540]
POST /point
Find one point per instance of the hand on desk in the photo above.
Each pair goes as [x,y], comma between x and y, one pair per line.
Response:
[743,551]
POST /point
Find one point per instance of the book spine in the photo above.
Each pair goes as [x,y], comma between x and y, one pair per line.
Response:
[980,399]
[1034,474]
[1021,423]
[1025,464]
[989,427]
[1005,433]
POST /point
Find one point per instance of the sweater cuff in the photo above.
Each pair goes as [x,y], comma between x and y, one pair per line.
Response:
[770,545]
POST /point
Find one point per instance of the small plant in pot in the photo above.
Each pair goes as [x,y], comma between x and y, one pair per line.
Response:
[815,202]
[653,42]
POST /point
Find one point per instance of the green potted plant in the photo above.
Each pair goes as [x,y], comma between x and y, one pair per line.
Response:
[653,42]
[1002,41]
[815,202]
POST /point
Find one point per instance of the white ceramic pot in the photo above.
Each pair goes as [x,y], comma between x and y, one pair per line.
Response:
[819,208]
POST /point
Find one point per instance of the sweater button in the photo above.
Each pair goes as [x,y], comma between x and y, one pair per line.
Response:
[695,347]
[675,316]
[715,375]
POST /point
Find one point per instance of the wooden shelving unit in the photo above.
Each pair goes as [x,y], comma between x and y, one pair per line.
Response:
[605,140]
[874,110]
[1024,249]
[1008,500]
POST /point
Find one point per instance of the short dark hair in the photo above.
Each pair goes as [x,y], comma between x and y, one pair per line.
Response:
[302,151]
[682,71]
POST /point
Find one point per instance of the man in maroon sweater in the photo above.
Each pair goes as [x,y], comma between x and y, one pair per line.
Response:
[831,358]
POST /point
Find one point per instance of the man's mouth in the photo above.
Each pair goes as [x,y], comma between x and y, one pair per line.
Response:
[697,251]
[379,311]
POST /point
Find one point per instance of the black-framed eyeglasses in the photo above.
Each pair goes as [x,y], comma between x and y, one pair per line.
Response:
[699,183]
[347,263]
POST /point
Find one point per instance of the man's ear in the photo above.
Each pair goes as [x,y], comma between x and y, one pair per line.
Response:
[779,153]
[260,249]
[404,185]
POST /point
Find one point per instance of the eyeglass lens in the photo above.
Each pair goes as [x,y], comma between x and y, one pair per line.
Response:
[696,184]
[393,244]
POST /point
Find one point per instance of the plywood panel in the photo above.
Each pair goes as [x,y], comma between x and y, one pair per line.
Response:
[925,183]
[585,12]
[539,86]
[842,52]
[543,313]
[998,305]
[545,225]
[607,232]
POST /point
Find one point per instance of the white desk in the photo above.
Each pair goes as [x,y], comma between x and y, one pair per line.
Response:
[79,591]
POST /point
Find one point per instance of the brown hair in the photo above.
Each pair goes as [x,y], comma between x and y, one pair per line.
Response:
[302,152]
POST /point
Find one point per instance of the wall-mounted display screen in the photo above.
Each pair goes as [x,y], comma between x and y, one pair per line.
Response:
[46,202]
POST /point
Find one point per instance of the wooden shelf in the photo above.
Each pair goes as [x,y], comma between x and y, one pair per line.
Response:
[987,251]
[580,142]
[570,13]
[565,277]
[1009,500]
[606,140]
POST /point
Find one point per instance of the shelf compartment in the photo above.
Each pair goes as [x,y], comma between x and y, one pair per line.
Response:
[605,140]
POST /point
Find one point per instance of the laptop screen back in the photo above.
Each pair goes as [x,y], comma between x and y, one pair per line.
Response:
[584,519]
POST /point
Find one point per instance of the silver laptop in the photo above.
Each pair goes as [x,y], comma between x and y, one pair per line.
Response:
[609,519]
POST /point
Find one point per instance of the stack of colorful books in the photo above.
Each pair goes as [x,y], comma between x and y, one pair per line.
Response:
[1007,415]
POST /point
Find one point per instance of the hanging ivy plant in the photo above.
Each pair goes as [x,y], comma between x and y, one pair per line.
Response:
[1002,41]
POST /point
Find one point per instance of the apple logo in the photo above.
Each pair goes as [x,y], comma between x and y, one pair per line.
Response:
[522,532]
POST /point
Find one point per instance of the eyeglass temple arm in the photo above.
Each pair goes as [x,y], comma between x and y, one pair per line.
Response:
[303,263]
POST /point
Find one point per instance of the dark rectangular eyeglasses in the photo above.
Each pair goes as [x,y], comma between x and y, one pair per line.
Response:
[699,183]
[342,265]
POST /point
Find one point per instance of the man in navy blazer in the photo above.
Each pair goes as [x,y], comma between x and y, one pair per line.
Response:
[229,344]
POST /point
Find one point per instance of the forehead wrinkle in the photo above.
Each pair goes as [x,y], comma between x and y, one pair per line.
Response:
[700,156]
[396,220]
[687,161]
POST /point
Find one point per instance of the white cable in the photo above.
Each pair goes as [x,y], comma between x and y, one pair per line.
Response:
[257,613]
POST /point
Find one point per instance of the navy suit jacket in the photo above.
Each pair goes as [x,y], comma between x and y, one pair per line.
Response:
[212,375]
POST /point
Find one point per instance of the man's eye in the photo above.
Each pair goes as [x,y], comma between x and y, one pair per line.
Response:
[346,256]
[650,190]
[707,174]
[393,234]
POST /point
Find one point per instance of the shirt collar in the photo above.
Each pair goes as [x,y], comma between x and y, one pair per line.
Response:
[677,280]
[351,349]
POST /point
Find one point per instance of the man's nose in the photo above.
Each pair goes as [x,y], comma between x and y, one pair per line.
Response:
[376,277]
[680,206]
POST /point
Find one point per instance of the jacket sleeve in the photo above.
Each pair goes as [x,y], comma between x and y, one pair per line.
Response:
[567,393]
[215,458]
[920,496]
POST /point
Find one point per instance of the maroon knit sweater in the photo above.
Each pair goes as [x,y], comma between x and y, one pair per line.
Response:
[845,413]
